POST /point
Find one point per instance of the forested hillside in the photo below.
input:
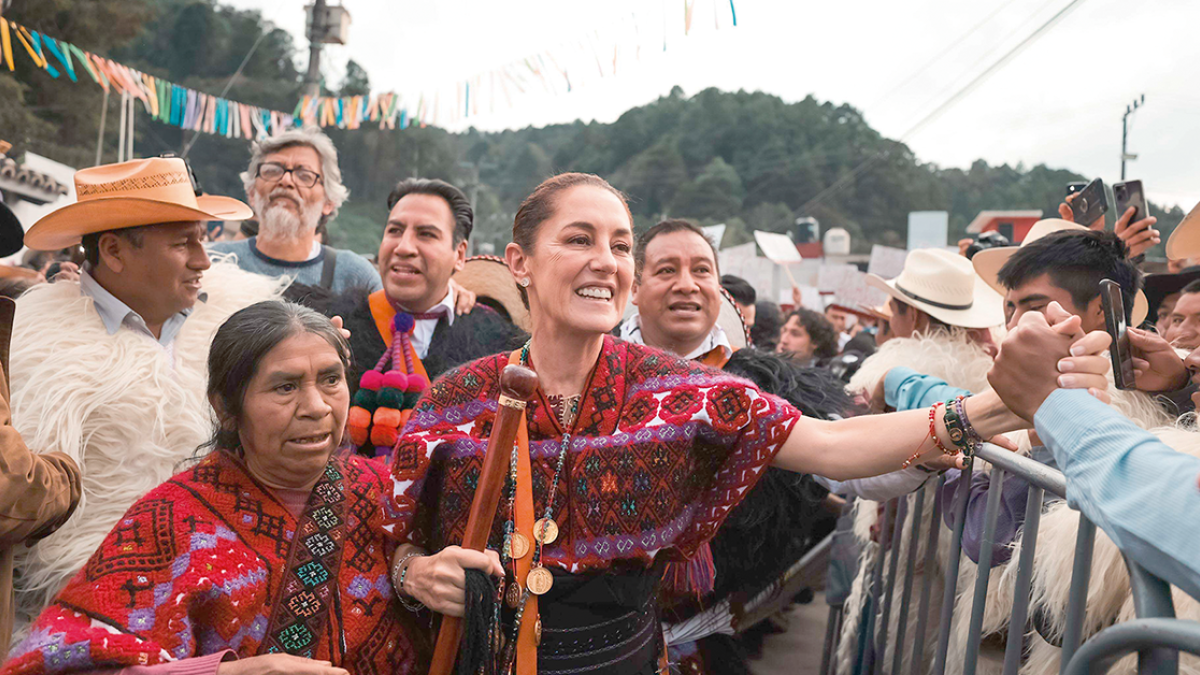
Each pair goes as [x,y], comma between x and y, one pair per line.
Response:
[747,159]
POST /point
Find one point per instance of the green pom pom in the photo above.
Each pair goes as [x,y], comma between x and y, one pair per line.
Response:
[411,398]
[365,398]
[390,398]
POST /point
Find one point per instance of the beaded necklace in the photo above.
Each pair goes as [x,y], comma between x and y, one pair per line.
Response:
[515,545]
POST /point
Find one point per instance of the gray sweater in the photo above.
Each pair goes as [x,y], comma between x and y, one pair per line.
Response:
[351,271]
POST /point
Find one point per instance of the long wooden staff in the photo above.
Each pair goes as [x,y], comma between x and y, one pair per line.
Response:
[517,385]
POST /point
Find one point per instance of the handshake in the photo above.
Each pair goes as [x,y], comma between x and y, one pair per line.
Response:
[1049,351]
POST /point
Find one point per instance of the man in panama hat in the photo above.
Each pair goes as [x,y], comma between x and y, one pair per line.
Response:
[111,370]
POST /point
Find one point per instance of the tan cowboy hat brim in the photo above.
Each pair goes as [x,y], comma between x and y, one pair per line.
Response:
[489,278]
[67,226]
[1184,242]
[989,261]
[986,310]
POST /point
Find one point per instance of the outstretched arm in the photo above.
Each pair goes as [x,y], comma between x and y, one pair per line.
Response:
[875,444]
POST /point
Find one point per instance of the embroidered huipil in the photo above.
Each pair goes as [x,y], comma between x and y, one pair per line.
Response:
[661,450]
[212,561]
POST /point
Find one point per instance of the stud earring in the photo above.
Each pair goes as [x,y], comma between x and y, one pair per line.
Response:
[524,281]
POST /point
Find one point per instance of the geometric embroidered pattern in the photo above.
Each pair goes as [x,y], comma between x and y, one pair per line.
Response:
[310,587]
[661,450]
[209,560]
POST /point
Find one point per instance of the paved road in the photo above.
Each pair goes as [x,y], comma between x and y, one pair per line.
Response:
[797,651]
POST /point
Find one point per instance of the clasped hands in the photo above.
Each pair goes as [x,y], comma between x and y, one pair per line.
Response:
[1046,352]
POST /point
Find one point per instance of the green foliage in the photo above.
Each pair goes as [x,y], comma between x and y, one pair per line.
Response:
[746,159]
[356,82]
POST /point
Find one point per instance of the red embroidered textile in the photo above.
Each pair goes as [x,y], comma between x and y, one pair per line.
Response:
[211,560]
[661,450]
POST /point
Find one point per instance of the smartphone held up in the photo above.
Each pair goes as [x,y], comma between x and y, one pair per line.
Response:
[1117,325]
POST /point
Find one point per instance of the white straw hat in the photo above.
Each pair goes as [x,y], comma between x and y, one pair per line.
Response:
[944,286]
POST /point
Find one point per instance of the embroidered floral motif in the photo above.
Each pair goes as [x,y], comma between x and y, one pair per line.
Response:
[646,470]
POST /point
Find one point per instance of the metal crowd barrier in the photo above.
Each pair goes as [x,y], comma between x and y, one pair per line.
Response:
[1156,635]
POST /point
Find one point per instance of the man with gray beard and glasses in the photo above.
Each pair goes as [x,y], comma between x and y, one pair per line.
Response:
[294,184]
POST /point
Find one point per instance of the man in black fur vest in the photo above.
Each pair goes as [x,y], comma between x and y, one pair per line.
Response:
[409,333]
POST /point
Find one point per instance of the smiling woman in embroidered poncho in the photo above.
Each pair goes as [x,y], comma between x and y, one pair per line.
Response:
[629,456]
[269,551]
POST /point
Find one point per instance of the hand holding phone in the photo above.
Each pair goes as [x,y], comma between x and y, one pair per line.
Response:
[1136,228]
[1116,324]
[1089,204]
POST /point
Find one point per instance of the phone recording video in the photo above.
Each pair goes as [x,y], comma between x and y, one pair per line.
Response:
[1129,193]
[1117,326]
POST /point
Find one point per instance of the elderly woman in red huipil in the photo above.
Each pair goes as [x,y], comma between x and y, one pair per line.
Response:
[266,557]
[629,456]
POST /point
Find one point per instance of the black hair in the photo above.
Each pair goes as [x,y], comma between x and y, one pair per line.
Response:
[460,206]
[14,287]
[240,345]
[741,290]
[1076,261]
[666,227]
[820,332]
[768,323]
[1192,287]
[91,242]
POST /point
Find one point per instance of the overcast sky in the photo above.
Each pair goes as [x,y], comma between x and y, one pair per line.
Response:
[1059,102]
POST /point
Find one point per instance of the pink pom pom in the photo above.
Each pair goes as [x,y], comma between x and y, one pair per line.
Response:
[395,379]
[372,379]
[417,383]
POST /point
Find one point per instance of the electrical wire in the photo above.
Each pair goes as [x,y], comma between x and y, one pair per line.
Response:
[945,105]
[949,48]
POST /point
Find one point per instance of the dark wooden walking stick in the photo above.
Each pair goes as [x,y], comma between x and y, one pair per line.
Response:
[517,385]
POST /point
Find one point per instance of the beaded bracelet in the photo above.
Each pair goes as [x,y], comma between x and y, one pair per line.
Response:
[933,430]
[956,427]
[961,406]
[402,566]
[932,434]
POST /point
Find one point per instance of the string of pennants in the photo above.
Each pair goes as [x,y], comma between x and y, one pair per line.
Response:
[552,71]
[169,103]
[164,101]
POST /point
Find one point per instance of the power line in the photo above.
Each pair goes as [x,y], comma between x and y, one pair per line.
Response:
[187,148]
[945,105]
[949,48]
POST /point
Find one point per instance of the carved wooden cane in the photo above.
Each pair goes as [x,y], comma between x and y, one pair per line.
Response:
[517,385]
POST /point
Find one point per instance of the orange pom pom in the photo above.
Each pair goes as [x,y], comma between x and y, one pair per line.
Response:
[386,426]
[358,423]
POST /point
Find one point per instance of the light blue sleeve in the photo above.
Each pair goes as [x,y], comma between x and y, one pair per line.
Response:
[906,389]
[1143,494]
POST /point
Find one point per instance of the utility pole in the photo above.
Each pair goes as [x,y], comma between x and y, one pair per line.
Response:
[316,34]
[1129,110]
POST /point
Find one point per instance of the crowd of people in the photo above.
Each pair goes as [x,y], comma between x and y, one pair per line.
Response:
[261,455]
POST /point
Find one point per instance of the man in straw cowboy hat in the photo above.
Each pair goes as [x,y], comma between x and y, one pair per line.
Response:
[110,370]
[1059,262]
[941,315]
[410,332]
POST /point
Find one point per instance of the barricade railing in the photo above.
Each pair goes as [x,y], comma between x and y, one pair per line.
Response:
[1156,636]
